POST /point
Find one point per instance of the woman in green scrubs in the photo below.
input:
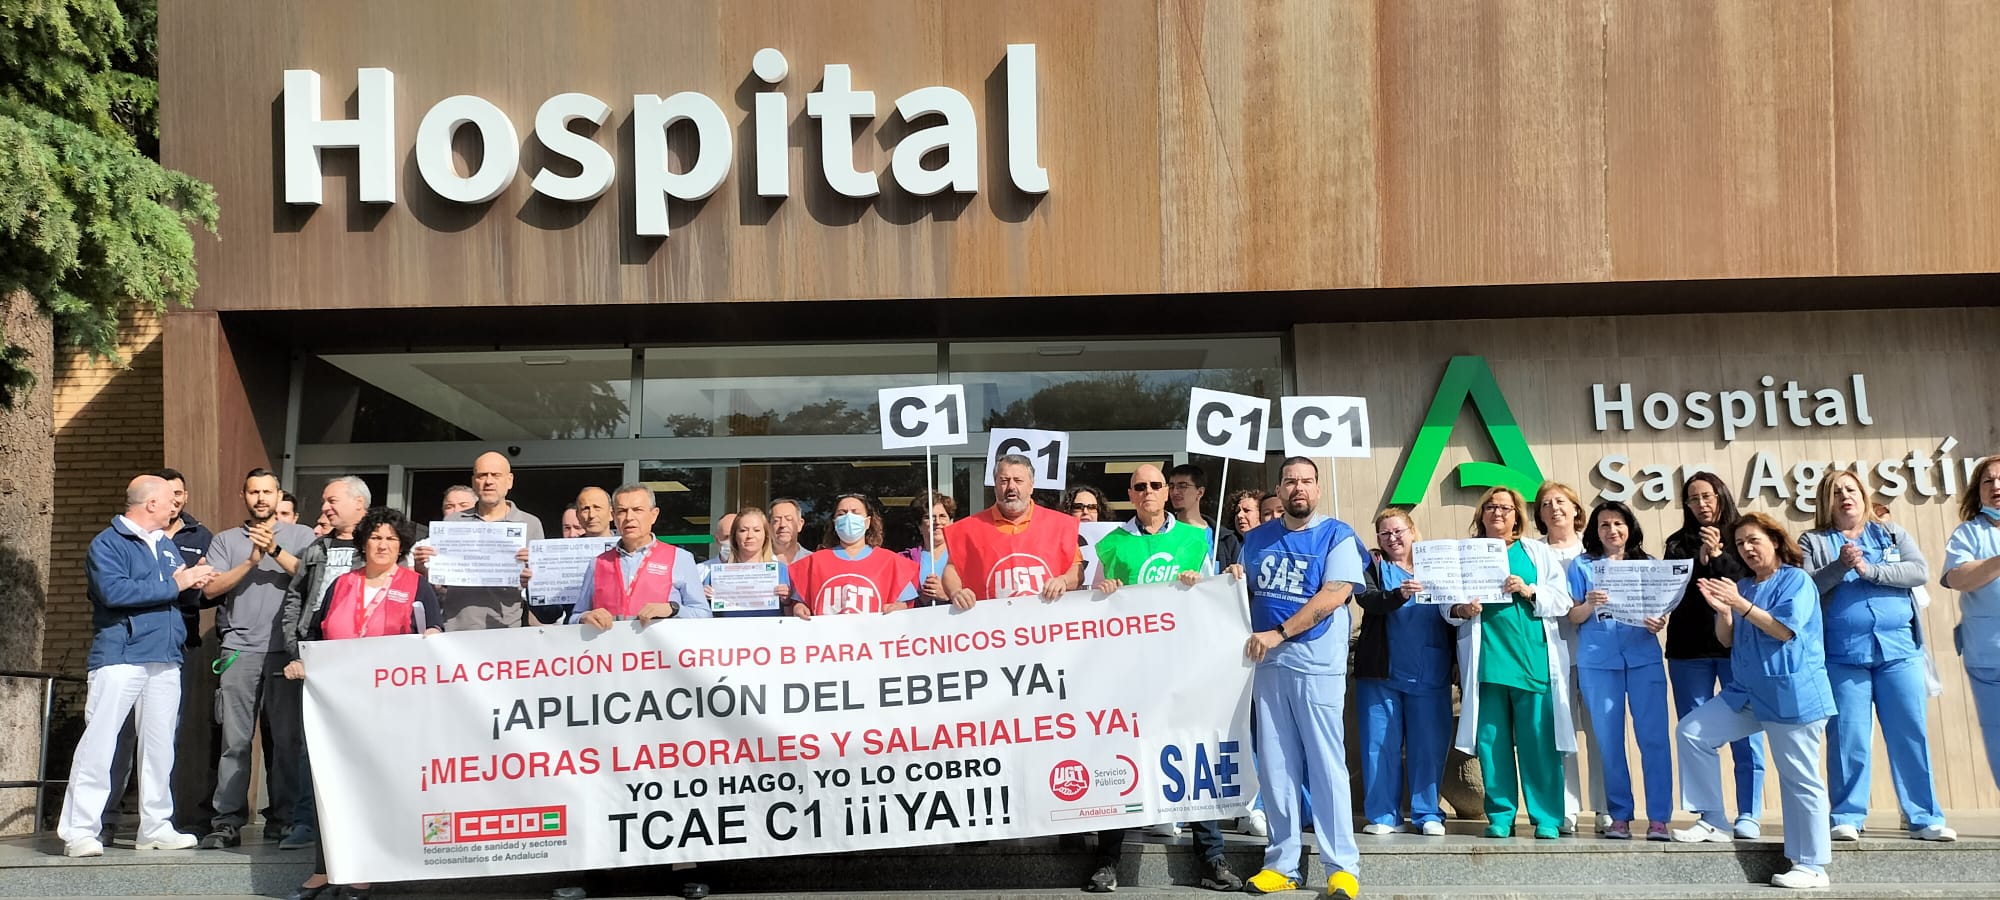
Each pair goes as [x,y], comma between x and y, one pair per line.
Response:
[1514,670]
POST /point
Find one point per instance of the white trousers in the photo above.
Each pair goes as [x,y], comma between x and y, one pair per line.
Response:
[154,691]
[1796,751]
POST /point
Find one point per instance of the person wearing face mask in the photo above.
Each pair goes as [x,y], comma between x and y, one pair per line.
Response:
[1402,680]
[1864,570]
[1619,667]
[1698,663]
[1972,567]
[1771,622]
[1558,514]
[853,574]
[1037,544]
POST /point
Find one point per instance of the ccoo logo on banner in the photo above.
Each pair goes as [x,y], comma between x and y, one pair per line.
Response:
[556,748]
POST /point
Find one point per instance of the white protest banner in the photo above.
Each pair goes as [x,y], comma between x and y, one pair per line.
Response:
[1642,588]
[930,415]
[1325,426]
[563,748]
[477,554]
[1463,571]
[1048,450]
[1091,533]
[744,587]
[559,565]
[1227,425]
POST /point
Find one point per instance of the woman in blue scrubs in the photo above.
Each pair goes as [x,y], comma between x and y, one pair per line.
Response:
[1698,664]
[1771,624]
[1864,570]
[1972,568]
[1619,667]
[1402,680]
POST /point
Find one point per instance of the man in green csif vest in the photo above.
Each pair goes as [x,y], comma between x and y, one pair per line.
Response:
[1153,548]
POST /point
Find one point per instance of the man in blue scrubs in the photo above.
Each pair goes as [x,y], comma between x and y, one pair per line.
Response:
[1302,569]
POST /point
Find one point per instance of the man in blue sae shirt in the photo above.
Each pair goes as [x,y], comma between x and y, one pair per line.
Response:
[1302,569]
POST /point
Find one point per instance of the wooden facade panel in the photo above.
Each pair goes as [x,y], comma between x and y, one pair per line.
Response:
[1267,124]
[1911,398]
[1491,128]
[1191,146]
[1917,108]
[1717,117]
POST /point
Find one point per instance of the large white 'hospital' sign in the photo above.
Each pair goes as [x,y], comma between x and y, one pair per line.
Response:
[1325,426]
[1225,424]
[931,415]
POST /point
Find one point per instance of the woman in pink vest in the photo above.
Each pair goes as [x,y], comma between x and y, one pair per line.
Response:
[383,597]
[853,574]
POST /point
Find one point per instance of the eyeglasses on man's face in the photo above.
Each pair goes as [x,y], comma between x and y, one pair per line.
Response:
[1145,487]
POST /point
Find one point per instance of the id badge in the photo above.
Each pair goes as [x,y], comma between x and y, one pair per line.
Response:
[1892,555]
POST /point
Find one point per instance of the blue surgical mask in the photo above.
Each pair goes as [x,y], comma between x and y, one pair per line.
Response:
[849,527]
[1991,512]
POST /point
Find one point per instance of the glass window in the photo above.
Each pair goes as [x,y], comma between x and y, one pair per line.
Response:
[1108,385]
[684,495]
[498,396]
[806,389]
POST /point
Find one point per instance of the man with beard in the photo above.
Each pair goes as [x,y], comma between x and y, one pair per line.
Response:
[254,563]
[1302,569]
[1014,548]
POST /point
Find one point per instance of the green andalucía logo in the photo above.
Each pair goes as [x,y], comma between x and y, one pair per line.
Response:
[1468,376]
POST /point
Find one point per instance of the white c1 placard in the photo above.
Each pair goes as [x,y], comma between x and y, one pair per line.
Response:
[929,415]
[1325,426]
[1048,450]
[1224,424]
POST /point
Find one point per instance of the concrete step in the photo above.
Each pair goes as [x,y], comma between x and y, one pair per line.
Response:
[1457,865]
[1369,891]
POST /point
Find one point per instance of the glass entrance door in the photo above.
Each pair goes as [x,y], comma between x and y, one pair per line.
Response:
[539,491]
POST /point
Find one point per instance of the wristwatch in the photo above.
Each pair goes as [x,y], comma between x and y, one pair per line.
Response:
[1282,634]
[673,610]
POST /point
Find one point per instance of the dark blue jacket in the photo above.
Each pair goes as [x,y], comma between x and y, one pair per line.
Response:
[132,600]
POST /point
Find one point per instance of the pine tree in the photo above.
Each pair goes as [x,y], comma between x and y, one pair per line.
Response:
[91,227]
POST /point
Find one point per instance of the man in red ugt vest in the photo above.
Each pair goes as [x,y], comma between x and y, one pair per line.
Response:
[1014,548]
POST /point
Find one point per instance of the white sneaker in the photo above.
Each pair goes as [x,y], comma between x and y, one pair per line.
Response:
[82,847]
[1255,824]
[1701,832]
[1433,829]
[1166,829]
[1378,828]
[175,840]
[1569,825]
[1603,822]
[1845,833]
[1935,833]
[1748,830]
[1800,878]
